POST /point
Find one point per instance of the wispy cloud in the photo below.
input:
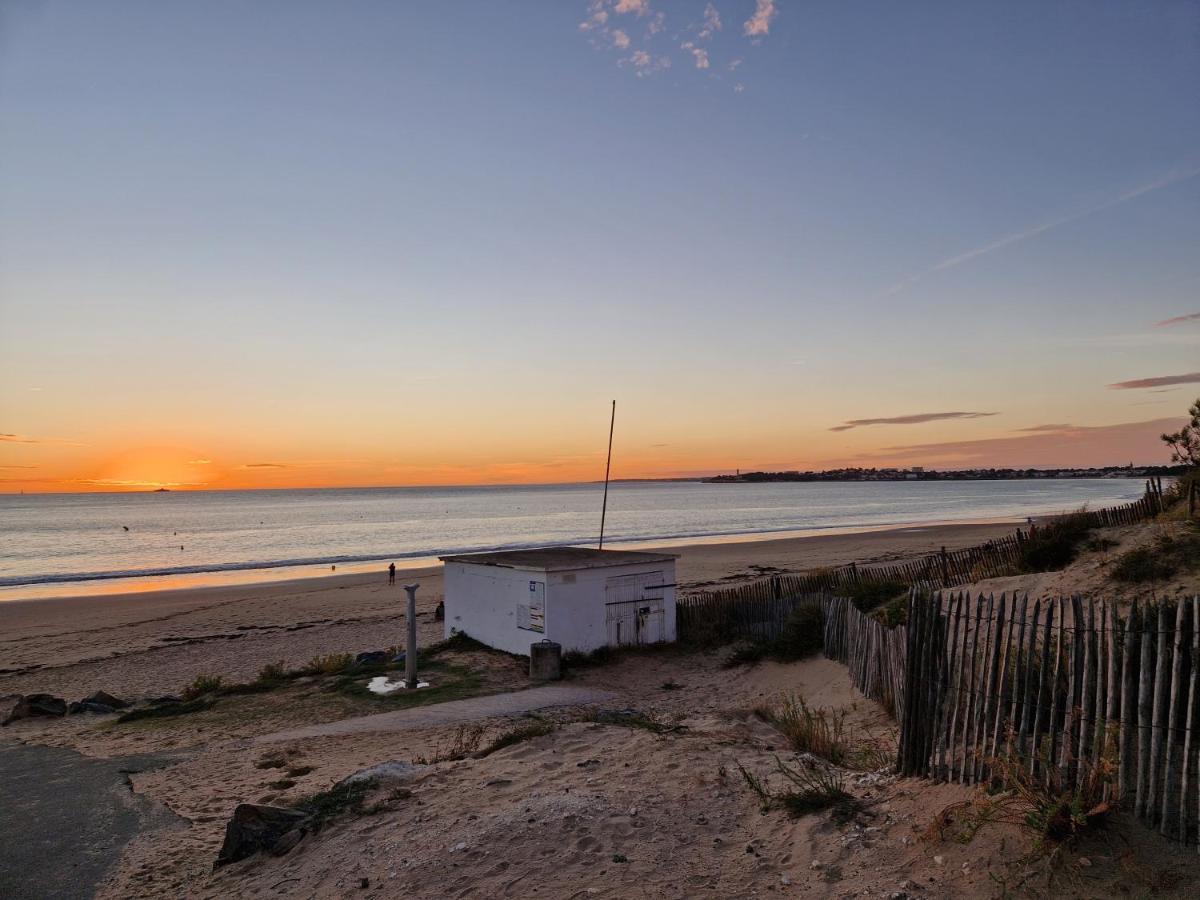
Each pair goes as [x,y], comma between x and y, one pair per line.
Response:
[620,39]
[712,23]
[25,439]
[1177,320]
[18,467]
[263,466]
[1174,177]
[1160,381]
[915,419]
[199,462]
[1046,429]
[637,7]
[759,24]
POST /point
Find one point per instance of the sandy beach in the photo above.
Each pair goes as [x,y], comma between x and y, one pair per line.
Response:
[156,641]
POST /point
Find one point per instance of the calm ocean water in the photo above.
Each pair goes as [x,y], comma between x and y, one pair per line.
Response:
[60,540]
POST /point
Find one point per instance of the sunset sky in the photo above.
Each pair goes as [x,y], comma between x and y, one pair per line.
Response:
[280,244]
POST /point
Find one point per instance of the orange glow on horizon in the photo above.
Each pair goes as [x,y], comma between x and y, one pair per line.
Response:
[183,467]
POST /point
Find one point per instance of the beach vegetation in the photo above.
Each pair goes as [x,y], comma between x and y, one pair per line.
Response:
[518,735]
[344,798]
[202,686]
[869,596]
[273,673]
[810,789]
[1185,443]
[166,710]
[1055,544]
[633,718]
[463,743]
[329,664]
[1037,796]
[1167,555]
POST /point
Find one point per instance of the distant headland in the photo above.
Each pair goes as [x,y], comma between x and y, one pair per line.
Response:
[920,473]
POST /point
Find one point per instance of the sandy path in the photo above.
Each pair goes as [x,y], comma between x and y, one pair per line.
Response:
[544,697]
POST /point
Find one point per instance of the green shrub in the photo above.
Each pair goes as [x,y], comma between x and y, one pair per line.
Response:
[803,634]
[204,684]
[870,595]
[1163,559]
[273,672]
[166,710]
[1054,545]
[329,664]
[518,735]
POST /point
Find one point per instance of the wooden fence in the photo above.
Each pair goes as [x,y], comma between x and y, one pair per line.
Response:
[754,613]
[1065,687]
[993,559]
[1069,688]
[874,654]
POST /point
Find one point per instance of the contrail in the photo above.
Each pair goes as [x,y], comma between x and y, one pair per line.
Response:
[1174,177]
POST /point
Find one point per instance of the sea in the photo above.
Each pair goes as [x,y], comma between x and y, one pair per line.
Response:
[56,544]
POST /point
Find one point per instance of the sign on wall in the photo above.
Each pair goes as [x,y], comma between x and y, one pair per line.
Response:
[531,616]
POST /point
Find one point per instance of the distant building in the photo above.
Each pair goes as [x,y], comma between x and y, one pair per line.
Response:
[580,598]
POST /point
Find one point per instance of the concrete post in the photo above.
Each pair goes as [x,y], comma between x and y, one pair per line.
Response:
[410,653]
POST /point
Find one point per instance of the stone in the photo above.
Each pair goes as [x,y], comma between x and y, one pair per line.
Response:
[31,706]
[87,706]
[939,860]
[106,699]
[254,828]
[287,841]
[393,770]
[1085,862]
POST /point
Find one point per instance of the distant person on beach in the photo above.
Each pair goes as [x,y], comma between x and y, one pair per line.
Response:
[391,573]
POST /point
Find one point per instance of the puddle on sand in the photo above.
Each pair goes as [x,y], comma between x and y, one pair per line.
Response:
[381,684]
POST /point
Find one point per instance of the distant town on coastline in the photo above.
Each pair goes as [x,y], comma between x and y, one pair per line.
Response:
[920,473]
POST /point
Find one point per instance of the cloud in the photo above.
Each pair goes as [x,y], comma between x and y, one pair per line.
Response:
[645,64]
[738,88]
[698,53]
[657,24]
[25,439]
[18,467]
[1190,317]
[598,17]
[712,23]
[915,419]
[1160,381]
[264,466]
[1080,445]
[1043,429]
[1173,177]
[638,7]
[199,462]
[620,39]
[759,24]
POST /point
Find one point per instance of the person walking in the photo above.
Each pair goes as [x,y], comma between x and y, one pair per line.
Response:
[391,573]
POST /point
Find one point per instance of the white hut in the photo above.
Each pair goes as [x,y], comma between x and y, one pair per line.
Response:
[580,598]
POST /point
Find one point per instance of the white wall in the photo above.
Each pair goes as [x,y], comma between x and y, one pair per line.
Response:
[576,612]
[482,601]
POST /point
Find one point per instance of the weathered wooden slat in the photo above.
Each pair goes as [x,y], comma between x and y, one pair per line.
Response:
[1174,717]
[1159,716]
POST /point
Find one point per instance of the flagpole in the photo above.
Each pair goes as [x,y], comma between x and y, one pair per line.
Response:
[607,470]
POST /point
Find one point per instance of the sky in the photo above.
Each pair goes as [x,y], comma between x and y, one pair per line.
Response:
[372,243]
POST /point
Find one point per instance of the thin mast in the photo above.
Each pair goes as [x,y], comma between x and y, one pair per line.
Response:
[607,469]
